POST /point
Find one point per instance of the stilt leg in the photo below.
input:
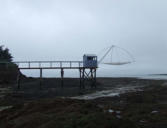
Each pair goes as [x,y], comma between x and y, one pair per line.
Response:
[62,77]
[92,80]
[40,78]
[95,78]
[80,78]
[83,78]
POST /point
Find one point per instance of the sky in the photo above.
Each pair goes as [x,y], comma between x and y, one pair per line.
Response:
[67,29]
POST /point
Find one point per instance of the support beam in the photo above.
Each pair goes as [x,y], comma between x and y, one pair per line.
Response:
[89,74]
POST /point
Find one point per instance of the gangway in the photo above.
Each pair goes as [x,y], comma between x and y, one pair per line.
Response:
[49,64]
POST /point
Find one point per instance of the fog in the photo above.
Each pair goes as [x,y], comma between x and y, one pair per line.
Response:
[67,29]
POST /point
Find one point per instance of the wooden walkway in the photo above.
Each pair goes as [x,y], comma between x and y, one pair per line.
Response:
[84,72]
[49,64]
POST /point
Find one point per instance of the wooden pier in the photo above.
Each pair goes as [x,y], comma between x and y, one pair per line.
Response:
[85,73]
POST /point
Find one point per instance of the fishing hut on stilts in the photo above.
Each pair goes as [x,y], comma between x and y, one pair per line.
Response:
[87,69]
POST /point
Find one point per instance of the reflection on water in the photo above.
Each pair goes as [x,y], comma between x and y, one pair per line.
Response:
[146,76]
[109,93]
[155,77]
[5,107]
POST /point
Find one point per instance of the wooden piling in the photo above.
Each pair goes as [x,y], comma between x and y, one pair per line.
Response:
[62,77]
[80,78]
[83,78]
[40,78]
[95,77]
[91,77]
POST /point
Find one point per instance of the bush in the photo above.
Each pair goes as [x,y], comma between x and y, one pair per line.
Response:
[8,70]
[5,55]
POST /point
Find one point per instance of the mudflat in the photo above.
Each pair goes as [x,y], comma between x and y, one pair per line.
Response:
[138,103]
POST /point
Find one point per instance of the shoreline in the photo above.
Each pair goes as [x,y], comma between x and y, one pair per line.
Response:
[145,76]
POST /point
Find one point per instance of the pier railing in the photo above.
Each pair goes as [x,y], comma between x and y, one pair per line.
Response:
[49,64]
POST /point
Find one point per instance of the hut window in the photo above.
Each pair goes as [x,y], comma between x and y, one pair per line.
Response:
[90,58]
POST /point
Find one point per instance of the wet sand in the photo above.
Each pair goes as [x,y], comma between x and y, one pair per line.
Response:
[116,102]
[51,88]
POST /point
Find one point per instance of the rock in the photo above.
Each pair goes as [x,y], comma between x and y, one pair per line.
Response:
[154,112]
[164,84]
[143,121]
[118,112]
[5,107]
[111,111]
[119,116]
